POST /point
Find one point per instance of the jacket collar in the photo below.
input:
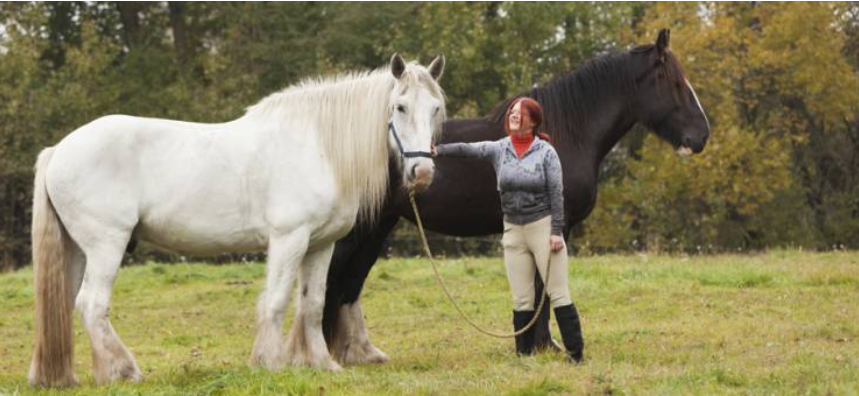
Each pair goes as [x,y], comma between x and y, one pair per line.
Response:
[536,145]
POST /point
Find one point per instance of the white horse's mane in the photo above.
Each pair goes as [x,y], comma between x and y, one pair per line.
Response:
[351,113]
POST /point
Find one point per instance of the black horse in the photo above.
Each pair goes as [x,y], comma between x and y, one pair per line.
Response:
[586,112]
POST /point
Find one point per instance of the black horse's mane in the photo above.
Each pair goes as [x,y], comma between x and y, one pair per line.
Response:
[569,99]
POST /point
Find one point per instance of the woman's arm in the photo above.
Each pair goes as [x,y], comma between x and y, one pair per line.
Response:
[478,150]
[555,185]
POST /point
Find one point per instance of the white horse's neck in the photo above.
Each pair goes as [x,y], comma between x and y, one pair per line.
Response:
[348,115]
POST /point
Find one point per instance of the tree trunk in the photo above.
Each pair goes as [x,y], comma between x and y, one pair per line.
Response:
[129,15]
[180,32]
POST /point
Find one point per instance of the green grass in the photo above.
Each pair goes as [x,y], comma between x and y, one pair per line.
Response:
[784,322]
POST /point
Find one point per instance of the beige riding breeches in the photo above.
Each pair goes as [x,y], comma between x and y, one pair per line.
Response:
[526,249]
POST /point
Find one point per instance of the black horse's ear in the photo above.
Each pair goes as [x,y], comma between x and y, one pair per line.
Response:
[662,43]
[436,68]
[398,66]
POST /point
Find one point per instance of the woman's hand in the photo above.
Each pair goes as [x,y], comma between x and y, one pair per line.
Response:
[556,242]
[432,151]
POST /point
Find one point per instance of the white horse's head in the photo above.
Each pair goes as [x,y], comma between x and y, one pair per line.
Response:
[417,112]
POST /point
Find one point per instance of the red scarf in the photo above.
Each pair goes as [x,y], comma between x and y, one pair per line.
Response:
[520,144]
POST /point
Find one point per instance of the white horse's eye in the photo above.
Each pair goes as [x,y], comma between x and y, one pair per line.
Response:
[436,110]
[401,109]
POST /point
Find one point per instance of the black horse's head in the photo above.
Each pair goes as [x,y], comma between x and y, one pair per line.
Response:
[665,100]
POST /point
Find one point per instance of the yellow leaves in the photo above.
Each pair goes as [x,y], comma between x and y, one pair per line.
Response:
[672,15]
[799,52]
[666,195]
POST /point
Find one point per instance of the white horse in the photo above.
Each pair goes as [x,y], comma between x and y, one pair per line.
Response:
[290,176]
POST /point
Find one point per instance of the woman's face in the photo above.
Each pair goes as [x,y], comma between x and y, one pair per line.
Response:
[517,122]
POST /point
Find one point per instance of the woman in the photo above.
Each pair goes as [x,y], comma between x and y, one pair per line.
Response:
[530,183]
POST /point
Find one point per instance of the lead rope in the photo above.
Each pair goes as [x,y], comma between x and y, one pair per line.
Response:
[450,297]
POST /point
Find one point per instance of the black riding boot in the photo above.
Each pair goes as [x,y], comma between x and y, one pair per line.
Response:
[571,331]
[524,341]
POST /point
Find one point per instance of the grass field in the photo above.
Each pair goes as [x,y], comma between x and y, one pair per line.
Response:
[784,322]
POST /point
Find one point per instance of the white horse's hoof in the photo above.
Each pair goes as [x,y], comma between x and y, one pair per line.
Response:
[266,364]
[134,377]
[364,354]
[377,356]
[331,365]
[271,362]
[374,355]
[321,363]
[119,370]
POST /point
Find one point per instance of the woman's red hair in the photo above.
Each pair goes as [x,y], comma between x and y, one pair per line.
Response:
[531,111]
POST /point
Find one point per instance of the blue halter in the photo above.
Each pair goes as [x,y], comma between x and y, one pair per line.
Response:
[404,153]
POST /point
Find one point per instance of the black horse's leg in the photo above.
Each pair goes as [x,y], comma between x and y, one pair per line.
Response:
[343,320]
[344,249]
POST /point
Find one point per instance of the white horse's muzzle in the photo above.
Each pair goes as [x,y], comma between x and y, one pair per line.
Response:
[420,174]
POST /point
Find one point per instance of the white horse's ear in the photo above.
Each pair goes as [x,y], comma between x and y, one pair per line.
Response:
[398,66]
[436,68]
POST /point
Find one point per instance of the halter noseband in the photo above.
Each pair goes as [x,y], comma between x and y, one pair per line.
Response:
[404,153]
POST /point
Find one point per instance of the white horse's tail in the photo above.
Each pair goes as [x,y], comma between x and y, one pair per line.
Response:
[52,364]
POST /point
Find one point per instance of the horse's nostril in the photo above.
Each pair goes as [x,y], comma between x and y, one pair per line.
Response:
[686,142]
[413,172]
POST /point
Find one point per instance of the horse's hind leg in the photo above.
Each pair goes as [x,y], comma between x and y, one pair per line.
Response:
[305,342]
[352,331]
[77,266]
[346,332]
[284,255]
[111,359]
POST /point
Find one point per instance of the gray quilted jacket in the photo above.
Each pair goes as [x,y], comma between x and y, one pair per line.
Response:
[531,187]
